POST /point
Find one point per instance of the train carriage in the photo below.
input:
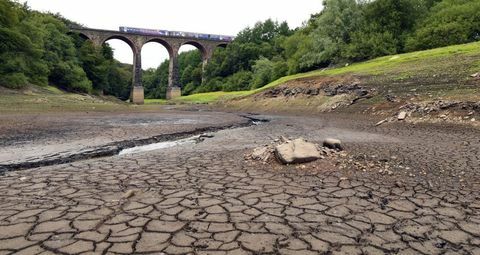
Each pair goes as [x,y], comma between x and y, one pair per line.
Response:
[176,34]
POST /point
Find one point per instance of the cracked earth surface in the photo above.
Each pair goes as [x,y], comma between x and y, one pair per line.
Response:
[205,199]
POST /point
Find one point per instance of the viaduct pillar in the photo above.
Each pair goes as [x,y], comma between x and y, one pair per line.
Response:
[205,58]
[174,89]
[137,92]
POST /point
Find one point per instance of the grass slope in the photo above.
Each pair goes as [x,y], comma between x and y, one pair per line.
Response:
[36,99]
[398,67]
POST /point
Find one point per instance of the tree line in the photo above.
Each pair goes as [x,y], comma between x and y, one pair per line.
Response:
[37,48]
[345,31]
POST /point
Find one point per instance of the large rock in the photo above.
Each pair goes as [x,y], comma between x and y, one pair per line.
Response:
[296,151]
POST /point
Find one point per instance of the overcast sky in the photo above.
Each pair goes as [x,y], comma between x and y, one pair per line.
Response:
[204,16]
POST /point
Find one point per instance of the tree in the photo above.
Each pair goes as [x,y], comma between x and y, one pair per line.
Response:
[335,26]
[449,22]
[262,72]
[20,57]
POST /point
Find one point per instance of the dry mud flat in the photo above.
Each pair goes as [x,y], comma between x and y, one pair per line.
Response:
[206,198]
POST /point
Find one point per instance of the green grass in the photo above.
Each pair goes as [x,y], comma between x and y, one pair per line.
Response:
[201,98]
[54,90]
[376,66]
[156,101]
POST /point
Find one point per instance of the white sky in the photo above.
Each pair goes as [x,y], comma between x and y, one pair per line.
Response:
[204,16]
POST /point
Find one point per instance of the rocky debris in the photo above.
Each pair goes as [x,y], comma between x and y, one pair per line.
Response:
[440,109]
[332,143]
[475,75]
[330,90]
[354,88]
[296,151]
[391,98]
[372,163]
[291,92]
[440,105]
[262,153]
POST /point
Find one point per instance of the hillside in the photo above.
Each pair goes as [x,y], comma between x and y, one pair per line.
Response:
[440,81]
[36,99]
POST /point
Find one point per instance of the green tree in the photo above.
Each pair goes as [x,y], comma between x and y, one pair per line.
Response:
[449,22]
[335,26]
[262,72]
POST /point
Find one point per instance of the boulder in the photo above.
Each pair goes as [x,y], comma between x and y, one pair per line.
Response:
[296,151]
[333,144]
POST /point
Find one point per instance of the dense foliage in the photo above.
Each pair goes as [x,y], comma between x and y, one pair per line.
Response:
[35,48]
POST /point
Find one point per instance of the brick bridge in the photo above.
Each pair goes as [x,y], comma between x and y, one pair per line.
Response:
[136,42]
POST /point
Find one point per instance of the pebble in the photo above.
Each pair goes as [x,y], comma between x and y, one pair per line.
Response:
[332,143]
[128,194]
[381,122]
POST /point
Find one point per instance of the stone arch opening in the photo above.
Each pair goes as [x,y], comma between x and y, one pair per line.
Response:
[222,45]
[190,66]
[125,51]
[156,58]
[196,45]
[166,45]
[123,39]
[122,51]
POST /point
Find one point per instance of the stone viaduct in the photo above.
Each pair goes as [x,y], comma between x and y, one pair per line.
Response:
[136,42]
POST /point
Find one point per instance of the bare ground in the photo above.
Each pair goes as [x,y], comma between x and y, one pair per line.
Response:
[207,199]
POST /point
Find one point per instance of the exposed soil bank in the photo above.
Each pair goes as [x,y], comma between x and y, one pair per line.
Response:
[366,95]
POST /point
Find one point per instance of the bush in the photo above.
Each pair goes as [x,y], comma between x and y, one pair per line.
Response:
[262,73]
[370,44]
[238,81]
[13,80]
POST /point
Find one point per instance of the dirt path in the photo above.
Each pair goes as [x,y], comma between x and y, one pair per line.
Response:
[206,199]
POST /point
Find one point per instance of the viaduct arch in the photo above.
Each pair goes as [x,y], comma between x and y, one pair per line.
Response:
[136,42]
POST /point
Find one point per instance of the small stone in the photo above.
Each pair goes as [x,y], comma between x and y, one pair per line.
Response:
[129,194]
[334,144]
[381,122]
[259,153]
[473,119]
[23,178]
[402,116]
[475,75]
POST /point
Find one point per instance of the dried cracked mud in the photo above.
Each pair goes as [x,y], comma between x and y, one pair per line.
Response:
[206,199]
